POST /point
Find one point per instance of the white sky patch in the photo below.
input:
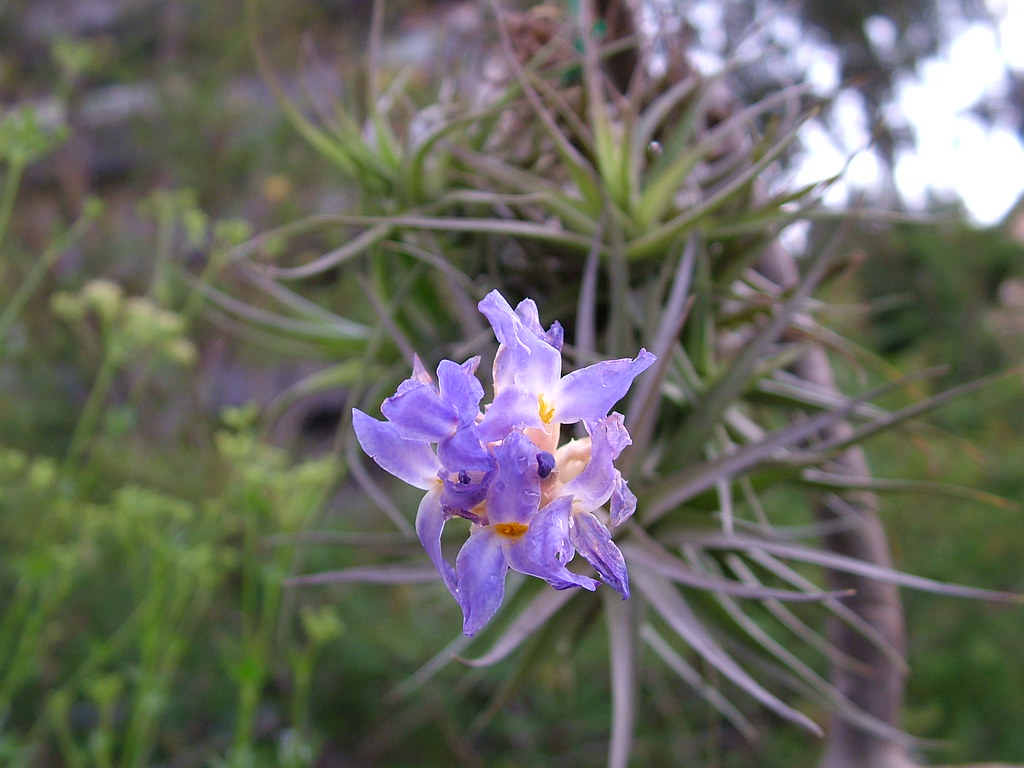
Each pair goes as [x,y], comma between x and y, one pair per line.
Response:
[707,18]
[1011,31]
[956,153]
[845,149]
[823,159]
[883,34]
[820,65]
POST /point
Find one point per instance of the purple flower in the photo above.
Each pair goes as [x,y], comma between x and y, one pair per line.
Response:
[517,534]
[456,476]
[529,389]
[532,504]
[445,413]
[591,489]
[414,462]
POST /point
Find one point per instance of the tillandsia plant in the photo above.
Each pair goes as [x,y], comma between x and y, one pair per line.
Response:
[531,501]
[640,208]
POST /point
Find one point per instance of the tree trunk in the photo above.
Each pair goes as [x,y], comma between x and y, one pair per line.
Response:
[863,537]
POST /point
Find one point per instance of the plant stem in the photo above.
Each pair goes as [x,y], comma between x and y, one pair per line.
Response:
[90,415]
[10,191]
[37,272]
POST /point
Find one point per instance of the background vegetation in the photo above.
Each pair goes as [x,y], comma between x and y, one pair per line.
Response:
[168,458]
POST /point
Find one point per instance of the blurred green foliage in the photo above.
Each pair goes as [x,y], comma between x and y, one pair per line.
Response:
[946,293]
[936,289]
[145,537]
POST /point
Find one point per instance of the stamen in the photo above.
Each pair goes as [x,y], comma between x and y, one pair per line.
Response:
[545,464]
[511,530]
[547,412]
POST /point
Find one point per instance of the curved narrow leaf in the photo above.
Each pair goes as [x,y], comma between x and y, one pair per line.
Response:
[692,677]
[353,456]
[643,402]
[334,377]
[840,610]
[369,574]
[556,200]
[619,615]
[654,240]
[697,478]
[796,625]
[661,562]
[652,120]
[917,409]
[834,480]
[740,542]
[793,665]
[339,329]
[678,615]
[722,393]
[531,618]
[352,248]
[287,297]
[426,673]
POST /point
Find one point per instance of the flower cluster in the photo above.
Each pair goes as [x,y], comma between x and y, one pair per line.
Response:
[532,503]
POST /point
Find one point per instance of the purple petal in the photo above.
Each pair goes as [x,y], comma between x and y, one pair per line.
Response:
[589,393]
[410,460]
[525,359]
[600,480]
[592,540]
[617,435]
[429,525]
[480,571]
[544,549]
[594,485]
[506,323]
[513,408]
[555,335]
[463,451]
[545,464]
[419,413]
[527,312]
[460,388]
[463,494]
[419,372]
[529,315]
[623,502]
[514,495]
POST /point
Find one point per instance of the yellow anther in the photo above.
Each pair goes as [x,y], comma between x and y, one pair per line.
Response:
[511,530]
[547,412]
